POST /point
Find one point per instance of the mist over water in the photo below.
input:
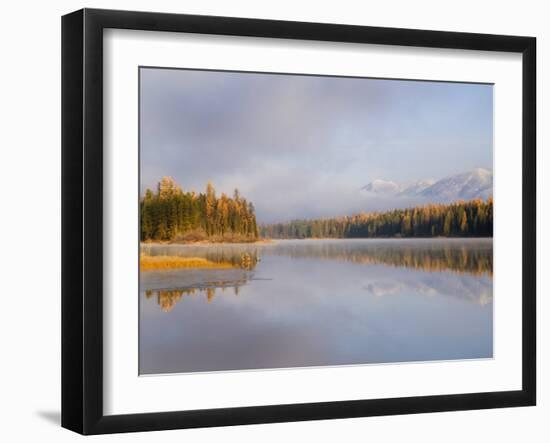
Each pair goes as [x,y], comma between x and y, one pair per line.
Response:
[302,303]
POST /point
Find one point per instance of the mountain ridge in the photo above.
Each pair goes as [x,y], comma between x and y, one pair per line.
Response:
[477,183]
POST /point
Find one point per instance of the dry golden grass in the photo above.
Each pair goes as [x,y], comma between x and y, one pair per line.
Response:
[160,262]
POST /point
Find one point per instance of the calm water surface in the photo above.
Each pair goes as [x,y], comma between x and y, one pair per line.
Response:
[297,303]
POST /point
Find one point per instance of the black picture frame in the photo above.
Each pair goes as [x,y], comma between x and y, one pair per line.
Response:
[82,219]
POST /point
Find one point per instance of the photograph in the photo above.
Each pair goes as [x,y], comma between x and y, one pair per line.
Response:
[291,220]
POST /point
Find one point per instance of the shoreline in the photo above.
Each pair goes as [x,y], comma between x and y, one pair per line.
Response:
[168,262]
[385,238]
[207,243]
[273,241]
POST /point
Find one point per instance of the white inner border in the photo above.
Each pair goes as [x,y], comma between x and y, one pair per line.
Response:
[125,392]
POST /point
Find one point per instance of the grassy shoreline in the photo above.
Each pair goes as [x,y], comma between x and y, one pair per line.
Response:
[206,242]
[165,262]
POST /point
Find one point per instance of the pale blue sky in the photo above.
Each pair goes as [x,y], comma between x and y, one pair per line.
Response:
[303,146]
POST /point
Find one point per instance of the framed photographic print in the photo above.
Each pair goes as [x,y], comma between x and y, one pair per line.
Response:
[270,221]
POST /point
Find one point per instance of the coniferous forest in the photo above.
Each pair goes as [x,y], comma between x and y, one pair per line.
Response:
[170,214]
[472,218]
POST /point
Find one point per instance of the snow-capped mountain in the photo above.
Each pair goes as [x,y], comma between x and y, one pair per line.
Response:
[385,187]
[382,187]
[474,184]
[417,187]
[477,183]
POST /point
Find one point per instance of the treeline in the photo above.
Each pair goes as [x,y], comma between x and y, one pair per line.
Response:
[472,218]
[172,214]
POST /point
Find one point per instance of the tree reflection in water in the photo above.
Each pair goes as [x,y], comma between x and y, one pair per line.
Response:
[470,257]
[434,258]
[167,298]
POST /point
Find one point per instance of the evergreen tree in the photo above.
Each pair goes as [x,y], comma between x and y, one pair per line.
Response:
[471,218]
[171,212]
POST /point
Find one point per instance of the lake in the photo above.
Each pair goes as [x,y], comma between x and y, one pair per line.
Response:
[300,303]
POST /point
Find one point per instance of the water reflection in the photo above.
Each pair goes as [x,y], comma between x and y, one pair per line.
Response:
[433,257]
[461,256]
[244,258]
[315,303]
[472,256]
[167,298]
[476,290]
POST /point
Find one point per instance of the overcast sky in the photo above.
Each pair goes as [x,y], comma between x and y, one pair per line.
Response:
[303,146]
